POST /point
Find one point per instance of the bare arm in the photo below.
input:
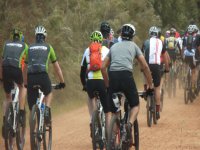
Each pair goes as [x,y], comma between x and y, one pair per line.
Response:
[166,60]
[146,70]
[105,65]
[58,71]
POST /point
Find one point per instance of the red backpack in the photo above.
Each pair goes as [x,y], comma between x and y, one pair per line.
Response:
[95,56]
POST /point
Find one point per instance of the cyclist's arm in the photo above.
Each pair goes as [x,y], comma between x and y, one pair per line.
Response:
[166,60]
[146,70]
[83,72]
[105,65]
[56,65]
[58,71]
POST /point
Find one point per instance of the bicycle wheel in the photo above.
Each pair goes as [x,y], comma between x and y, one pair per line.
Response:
[20,133]
[96,132]
[35,137]
[9,132]
[47,137]
[149,111]
[114,134]
[161,99]
[153,111]
[136,134]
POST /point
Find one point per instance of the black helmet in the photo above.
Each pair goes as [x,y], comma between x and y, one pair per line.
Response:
[16,33]
[128,31]
[105,29]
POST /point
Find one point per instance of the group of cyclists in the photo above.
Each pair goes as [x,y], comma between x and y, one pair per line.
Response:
[35,71]
[156,56]
[114,73]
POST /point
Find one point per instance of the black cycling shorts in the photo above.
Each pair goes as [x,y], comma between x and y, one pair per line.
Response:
[98,85]
[122,81]
[156,74]
[11,75]
[190,61]
[172,55]
[41,79]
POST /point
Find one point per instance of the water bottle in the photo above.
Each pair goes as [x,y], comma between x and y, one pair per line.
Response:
[116,102]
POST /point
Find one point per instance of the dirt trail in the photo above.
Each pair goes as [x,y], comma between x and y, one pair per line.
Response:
[178,128]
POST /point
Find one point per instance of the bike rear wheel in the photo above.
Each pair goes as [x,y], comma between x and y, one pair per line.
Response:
[161,99]
[20,134]
[97,142]
[114,134]
[9,132]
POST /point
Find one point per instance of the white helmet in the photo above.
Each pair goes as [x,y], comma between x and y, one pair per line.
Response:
[191,28]
[153,31]
[40,30]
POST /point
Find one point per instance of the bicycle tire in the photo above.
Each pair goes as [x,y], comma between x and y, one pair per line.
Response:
[20,133]
[161,99]
[35,144]
[96,132]
[114,134]
[47,137]
[136,134]
[153,106]
[9,133]
[149,113]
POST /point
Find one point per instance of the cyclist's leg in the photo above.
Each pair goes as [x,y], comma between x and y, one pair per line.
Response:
[156,75]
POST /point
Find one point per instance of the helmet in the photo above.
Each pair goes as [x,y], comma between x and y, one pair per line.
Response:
[105,27]
[96,36]
[127,31]
[153,31]
[172,31]
[191,28]
[16,34]
[40,30]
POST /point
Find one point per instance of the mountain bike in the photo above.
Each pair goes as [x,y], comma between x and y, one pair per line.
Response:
[40,132]
[172,81]
[118,135]
[150,106]
[98,126]
[188,86]
[14,130]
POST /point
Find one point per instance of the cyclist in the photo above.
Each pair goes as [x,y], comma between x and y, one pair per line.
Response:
[189,53]
[36,70]
[106,32]
[153,50]
[11,72]
[120,60]
[93,80]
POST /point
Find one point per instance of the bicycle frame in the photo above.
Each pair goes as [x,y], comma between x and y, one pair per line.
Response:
[40,104]
[15,106]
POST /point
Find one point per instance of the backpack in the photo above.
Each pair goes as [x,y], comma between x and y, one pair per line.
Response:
[171,43]
[95,56]
[189,42]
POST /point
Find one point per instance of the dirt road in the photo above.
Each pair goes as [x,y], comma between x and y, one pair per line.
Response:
[178,128]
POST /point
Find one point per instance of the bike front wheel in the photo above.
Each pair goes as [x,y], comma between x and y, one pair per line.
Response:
[136,134]
[97,141]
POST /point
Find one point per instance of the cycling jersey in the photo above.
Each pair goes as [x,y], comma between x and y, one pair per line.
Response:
[152,49]
[37,57]
[86,61]
[122,55]
[13,53]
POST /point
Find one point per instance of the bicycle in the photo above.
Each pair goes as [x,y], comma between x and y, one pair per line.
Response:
[117,136]
[13,128]
[150,106]
[98,125]
[40,132]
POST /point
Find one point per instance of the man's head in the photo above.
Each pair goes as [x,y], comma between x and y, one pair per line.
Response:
[153,31]
[96,36]
[16,34]
[172,32]
[40,33]
[127,32]
[105,29]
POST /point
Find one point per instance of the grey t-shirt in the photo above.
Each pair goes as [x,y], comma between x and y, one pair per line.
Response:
[122,55]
